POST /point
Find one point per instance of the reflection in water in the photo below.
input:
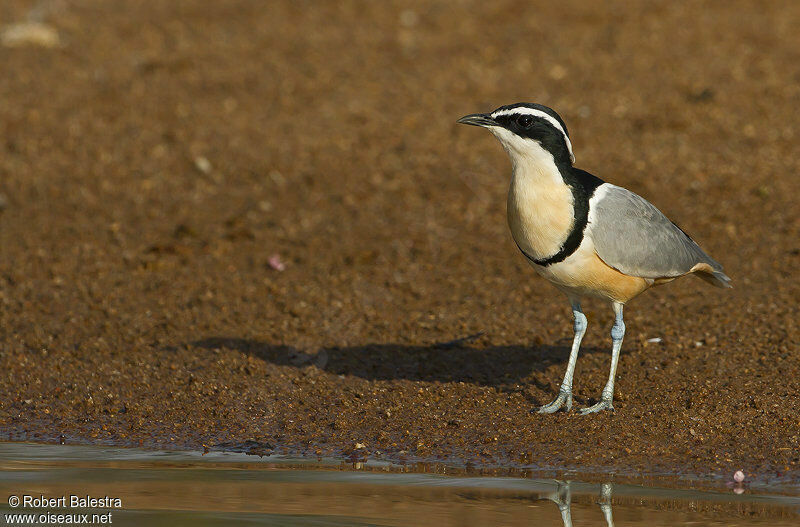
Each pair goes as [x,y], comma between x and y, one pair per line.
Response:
[183,489]
[563,498]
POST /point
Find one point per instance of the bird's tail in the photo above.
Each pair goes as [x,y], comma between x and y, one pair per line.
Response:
[711,271]
[715,277]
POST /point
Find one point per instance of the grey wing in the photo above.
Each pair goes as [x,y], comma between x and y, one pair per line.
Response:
[634,237]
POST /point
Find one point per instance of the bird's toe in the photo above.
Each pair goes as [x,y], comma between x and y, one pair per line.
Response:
[564,400]
[602,405]
[549,408]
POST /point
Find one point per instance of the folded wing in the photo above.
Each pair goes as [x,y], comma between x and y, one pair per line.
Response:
[634,237]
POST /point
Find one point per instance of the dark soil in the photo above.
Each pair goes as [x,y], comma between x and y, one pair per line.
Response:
[155,163]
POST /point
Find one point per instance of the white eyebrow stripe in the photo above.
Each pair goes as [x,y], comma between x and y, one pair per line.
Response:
[538,113]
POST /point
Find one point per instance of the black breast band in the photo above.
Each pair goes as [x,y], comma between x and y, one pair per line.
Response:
[582,184]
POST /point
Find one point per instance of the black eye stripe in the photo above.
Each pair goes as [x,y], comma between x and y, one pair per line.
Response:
[525,121]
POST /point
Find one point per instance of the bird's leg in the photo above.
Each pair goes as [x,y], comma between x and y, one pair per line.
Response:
[605,503]
[563,498]
[564,398]
[617,333]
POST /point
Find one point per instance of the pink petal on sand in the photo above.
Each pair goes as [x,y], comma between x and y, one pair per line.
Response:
[276,263]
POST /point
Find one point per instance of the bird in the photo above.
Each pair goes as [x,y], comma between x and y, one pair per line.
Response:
[587,237]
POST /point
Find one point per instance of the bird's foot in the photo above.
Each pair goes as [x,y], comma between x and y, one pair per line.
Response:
[564,399]
[604,404]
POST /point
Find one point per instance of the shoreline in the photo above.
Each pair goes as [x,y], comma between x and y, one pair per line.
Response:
[215,456]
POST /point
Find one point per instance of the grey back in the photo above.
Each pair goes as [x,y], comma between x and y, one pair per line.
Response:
[634,237]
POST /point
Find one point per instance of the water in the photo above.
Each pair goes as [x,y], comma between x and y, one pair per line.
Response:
[186,488]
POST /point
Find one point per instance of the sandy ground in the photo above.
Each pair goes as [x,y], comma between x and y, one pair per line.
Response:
[161,160]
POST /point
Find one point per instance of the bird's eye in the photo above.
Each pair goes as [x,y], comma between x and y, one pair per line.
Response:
[524,120]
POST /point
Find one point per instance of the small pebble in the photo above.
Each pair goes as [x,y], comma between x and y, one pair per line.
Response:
[29,34]
[202,164]
[738,477]
[654,340]
[276,263]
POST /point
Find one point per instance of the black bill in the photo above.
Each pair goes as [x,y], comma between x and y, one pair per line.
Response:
[478,119]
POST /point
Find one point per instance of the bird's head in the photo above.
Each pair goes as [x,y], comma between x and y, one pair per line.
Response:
[525,129]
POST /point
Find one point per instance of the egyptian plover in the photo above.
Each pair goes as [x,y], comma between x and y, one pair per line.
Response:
[586,236]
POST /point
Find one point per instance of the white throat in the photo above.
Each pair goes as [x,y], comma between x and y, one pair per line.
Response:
[529,160]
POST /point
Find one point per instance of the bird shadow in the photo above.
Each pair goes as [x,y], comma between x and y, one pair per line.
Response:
[501,367]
